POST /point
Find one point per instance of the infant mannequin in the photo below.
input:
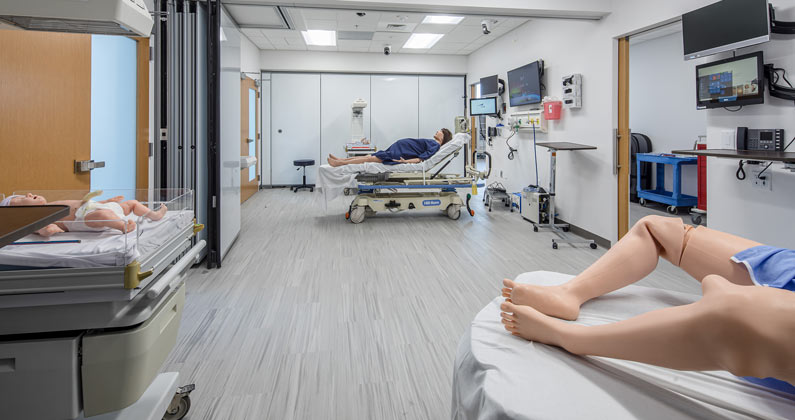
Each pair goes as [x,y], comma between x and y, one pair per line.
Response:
[90,215]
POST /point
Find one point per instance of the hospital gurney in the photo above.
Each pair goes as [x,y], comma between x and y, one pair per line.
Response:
[411,186]
[85,337]
[497,375]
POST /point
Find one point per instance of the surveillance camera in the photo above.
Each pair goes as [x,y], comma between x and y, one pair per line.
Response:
[486,25]
[361,14]
[387,49]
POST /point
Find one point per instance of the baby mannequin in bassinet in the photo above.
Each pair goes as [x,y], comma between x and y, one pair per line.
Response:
[87,215]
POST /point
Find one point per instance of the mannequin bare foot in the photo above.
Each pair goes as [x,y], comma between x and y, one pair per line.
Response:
[528,323]
[333,157]
[334,163]
[158,214]
[549,300]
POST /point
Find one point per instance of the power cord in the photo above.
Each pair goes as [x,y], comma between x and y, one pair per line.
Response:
[512,150]
[759,176]
[740,172]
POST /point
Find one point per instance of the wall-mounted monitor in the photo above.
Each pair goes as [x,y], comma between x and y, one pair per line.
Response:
[483,106]
[524,84]
[489,85]
[731,82]
[724,26]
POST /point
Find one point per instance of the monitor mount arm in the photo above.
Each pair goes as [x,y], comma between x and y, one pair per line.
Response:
[779,27]
[777,91]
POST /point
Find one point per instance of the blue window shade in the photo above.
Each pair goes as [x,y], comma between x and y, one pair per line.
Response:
[113,111]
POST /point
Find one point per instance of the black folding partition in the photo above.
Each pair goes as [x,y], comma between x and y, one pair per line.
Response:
[187,115]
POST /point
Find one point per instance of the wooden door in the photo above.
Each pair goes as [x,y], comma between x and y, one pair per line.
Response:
[45,110]
[249,136]
[623,140]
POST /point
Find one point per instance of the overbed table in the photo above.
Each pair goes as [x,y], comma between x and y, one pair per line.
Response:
[20,221]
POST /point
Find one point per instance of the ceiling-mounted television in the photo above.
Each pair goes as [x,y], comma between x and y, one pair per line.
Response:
[489,85]
[731,82]
[524,84]
[724,26]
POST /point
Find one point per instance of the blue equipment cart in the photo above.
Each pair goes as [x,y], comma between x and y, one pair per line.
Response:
[674,198]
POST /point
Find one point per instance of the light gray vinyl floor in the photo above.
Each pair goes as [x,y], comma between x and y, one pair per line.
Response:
[312,317]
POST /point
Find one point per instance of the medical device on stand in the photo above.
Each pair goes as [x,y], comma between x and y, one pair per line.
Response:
[358,145]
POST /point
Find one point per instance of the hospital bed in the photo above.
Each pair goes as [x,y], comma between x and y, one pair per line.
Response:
[497,375]
[85,326]
[409,186]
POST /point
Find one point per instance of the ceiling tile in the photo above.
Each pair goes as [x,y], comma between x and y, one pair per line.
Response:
[325,25]
[321,48]
[353,44]
[314,14]
[393,37]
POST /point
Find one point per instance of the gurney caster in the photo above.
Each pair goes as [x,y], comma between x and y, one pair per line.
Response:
[357,214]
[454,211]
[180,404]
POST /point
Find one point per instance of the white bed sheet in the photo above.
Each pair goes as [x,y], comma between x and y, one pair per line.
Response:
[497,375]
[333,181]
[98,249]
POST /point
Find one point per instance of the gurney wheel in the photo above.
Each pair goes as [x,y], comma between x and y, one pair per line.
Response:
[180,411]
[454,211]
[357,215]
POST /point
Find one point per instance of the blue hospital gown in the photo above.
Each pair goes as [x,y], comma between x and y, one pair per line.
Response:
[408,149]
[771,267]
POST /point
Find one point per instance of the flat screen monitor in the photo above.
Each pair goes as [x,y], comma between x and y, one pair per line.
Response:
[724,26]
[731,82]
[489,85]
[524,84]
[483,106]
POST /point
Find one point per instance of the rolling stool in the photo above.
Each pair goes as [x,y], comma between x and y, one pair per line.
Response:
[303,163]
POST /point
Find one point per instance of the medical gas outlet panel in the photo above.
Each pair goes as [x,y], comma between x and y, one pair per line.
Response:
[529,120]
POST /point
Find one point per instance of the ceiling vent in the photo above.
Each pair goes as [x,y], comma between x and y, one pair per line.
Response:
[110,17]
[355,35]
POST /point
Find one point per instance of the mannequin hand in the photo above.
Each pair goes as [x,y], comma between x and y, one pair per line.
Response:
[415,160]
[364,140]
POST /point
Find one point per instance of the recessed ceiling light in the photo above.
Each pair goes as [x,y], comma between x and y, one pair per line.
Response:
[422,40]
[443,20]
[320,38]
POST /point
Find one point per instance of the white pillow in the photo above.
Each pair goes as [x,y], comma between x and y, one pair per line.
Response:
[458,141]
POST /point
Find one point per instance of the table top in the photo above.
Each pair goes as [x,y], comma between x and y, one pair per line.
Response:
[19,221]
[765,155]
[564,145]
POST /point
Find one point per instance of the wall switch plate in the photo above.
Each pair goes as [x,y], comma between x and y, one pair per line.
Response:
[763,184]
[728,139]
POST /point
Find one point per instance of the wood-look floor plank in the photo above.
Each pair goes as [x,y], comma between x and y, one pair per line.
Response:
[312,317]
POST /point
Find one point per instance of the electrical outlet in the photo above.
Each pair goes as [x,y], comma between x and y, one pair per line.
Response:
[763,184]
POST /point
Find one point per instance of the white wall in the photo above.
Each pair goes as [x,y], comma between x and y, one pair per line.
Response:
[586,185]
[249,56]
[344,62]
[662,101]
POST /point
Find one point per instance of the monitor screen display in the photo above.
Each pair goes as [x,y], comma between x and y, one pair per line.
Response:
[724,26]
[731,82]
[489,85]
[524,84]
[483,106]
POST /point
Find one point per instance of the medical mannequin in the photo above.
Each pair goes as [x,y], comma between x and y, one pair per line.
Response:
[402,151]
[89,215]
[738,325]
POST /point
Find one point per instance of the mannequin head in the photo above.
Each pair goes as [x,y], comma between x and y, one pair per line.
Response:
[24,200]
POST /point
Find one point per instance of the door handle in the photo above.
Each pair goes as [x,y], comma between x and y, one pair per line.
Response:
[87,165]
[249,140]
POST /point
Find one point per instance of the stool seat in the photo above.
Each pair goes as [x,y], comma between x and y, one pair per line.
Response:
[304,162]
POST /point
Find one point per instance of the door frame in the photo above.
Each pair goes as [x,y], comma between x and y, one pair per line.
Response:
[623,138]
[247,190]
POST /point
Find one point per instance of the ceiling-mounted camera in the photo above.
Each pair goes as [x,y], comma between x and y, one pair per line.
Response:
[485,24]
[361,14]
[387,49]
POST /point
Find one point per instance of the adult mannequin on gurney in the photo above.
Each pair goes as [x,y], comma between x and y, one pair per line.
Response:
[744,324]
[87,215]
[402,151]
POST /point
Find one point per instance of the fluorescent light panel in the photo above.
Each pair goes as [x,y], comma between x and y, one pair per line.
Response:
[320,38]
[443,20]
[421,41]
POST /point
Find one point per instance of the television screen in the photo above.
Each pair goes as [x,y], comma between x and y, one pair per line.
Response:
[725,25]
[483,106]
[524,84]
[489,85]
[731,82]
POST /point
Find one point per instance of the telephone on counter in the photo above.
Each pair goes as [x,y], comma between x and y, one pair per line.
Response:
[771,139]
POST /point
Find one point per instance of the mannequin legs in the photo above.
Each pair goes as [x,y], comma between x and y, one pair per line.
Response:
[698,251]
[335,161]
[746,330]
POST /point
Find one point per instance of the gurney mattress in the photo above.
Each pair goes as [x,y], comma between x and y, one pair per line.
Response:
[98,249]
[497,375]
